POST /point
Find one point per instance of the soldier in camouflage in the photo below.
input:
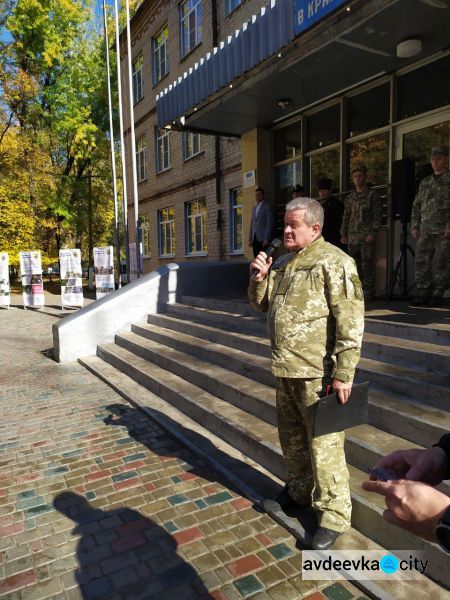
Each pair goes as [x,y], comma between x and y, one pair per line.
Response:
[316,319]
[360,223]
[430,226]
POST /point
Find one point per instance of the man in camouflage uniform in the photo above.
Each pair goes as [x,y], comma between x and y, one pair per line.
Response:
[360,223]
[315,318]
[430,226]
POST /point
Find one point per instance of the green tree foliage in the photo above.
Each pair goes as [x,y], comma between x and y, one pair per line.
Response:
[53,123]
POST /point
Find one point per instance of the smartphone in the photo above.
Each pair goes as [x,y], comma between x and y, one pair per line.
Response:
[381,474]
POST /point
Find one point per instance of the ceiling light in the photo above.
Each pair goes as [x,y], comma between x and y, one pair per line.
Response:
[409,48]
[283,102]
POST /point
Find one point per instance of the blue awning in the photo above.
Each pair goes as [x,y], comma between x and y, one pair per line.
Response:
[264,35]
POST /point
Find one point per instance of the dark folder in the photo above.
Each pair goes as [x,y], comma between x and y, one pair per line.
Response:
[331,416]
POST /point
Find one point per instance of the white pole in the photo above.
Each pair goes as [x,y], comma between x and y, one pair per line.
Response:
[122,144]
[133,143]
[113,154]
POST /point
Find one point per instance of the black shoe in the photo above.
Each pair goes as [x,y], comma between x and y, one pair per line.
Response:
[435,301]
[421,301]
[324,538]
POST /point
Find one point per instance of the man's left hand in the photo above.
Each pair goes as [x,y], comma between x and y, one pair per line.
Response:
[370,239]
[342,390]
[411,505]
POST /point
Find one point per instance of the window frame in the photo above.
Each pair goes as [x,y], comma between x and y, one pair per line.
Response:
[168,223]
[138,79]
[191,217]
[141,159]
[162,138]
[185,32]
[157,73]
[191,135]
[231,6]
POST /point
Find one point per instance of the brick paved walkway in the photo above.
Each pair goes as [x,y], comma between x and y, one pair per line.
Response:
[96,501]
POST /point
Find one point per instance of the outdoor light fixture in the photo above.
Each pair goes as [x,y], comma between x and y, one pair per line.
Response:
[283,102]
[409,48]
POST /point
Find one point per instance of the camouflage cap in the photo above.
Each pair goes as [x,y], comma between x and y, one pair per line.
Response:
[439,150]
[359,167]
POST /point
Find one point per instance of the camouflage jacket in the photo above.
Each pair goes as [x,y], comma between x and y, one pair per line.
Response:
[431,208]
[362,216]
[315,312]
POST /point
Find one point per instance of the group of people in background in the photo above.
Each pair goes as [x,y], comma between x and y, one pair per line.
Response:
[352,225]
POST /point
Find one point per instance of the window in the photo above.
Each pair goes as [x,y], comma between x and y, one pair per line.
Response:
[231,5]
[166,231]
[192,144]
[432,81]
[288,142]
[160,55]
[236,223]
[324,164]
[138,80]
[162,150]
[373,152]
[196,227]
[141,159]
[324,127]
[369,110]
[191,25]
[145,234]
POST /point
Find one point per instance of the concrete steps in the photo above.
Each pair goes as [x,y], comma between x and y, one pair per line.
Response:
[203,371]
[431,388]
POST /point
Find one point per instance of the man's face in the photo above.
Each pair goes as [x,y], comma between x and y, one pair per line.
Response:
[259,196]
[324,194]
[438,162]
[297,234]
[359,179]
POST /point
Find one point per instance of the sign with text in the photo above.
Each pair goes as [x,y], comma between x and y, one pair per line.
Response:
[309,12]
[5,296]
[31,275]
[71,277]
[104,271]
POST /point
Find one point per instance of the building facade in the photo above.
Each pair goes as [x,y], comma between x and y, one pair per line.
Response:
[296,90]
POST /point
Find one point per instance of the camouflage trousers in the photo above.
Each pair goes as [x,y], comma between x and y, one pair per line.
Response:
[317,470]
[364,255]
[430,244]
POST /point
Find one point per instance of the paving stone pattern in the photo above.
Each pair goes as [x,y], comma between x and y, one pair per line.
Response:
[96,501]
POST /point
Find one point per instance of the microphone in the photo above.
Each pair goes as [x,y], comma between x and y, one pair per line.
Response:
[270,250]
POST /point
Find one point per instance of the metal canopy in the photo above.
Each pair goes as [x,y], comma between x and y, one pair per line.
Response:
[312,67]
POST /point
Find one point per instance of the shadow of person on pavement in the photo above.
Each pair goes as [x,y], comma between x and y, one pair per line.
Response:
[123,555]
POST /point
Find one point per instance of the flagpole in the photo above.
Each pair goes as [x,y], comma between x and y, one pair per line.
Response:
[122,144]
[113,154]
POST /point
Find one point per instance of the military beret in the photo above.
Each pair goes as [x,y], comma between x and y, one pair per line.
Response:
[440,150]
[359,167]
[299,189]
[324,184]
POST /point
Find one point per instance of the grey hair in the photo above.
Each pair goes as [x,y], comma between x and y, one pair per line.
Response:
[313,210]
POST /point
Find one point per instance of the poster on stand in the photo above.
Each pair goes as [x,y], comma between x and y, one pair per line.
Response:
[5,296]
[71,277]
[31,274]
[104,271]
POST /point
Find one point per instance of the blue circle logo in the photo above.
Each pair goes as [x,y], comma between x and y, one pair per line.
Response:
[389,564]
